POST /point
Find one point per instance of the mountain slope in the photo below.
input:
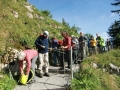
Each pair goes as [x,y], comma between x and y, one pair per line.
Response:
[20,22]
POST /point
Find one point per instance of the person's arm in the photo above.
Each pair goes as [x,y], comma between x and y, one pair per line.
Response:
[28,62]
[37,43]
[85,38]
[21,67]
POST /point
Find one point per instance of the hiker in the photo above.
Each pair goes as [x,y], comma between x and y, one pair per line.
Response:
[30,56]
[55,53]
[59,51]
[99,39]
[75,47]
[82,45]
[43,43]
[93,45]
[103,45]
[108,43]
[66,47]
[89,47]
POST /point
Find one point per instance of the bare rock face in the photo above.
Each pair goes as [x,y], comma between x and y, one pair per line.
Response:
[29,15]
[9,60]
[15,14]
[114,69]
[94,65]
[29,7]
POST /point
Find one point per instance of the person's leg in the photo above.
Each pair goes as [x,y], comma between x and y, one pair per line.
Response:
[90,51]
[68,58]
[33,66]
[41,58]
[58,57]
[99,49]
[46,64]
[62,60]
[94,50]
[83,52]
[55,57]
[75,56]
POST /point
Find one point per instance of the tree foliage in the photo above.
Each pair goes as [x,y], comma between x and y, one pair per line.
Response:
[65,23]
[114,29]
[46,13]
[88,35]
[76,29]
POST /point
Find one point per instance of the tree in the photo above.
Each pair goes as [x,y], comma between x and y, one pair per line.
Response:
[88,35]
[114,32]
[46,13]
[117,3]
[114,29]
[76,29]
[65,23]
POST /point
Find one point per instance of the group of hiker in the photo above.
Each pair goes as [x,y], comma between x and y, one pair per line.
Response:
[81,47]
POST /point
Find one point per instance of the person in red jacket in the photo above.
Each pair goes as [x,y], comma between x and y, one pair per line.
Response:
[66,46]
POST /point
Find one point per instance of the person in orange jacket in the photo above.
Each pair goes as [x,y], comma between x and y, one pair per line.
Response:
[93,45]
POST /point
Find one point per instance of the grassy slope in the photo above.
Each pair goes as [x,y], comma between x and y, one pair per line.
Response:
[15,30]
[6,83]
[90,78]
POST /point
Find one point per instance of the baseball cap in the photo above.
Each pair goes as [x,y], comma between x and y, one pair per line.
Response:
[46,33]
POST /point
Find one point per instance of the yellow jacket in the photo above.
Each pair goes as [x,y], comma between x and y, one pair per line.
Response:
[93,42]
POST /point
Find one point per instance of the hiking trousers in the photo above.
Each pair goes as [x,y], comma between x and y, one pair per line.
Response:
[44,62]
[33,66]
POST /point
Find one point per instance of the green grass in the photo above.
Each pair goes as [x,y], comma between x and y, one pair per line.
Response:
[14,30]
[89,78]
[6,83]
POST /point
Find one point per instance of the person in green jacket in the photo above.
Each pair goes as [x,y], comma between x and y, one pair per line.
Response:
[99,45]
[103,44]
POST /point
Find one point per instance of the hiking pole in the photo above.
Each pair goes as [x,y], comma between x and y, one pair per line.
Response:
[63,62]
[71,63]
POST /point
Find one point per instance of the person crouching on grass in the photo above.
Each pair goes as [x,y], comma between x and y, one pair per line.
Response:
[30,56]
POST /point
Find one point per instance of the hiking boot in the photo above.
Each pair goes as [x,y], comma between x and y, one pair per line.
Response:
[75,62]
[46,74]
[61,68]
[68,67]
[40,75]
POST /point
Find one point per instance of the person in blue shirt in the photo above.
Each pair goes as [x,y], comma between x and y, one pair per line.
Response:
[55,53]
[82,46]
[43,43]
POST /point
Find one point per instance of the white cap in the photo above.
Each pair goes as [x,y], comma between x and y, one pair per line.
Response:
[46,33]
[21,55]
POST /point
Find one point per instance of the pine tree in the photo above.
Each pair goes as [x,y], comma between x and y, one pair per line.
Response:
[114,29]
